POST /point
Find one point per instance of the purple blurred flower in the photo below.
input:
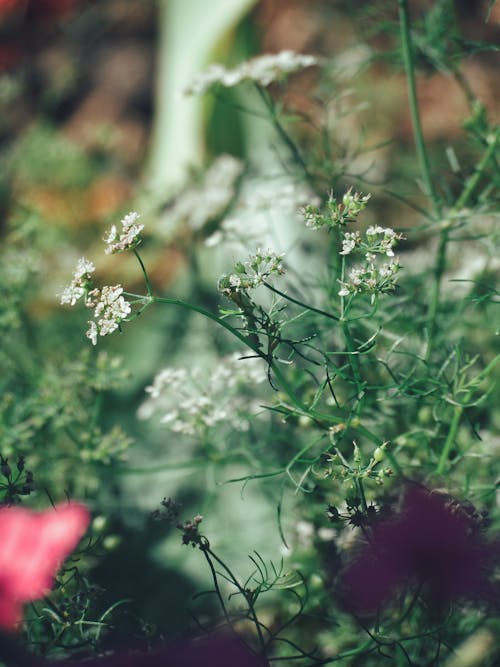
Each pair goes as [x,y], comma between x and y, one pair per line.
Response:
[220,651]
[215,651]
[433,542]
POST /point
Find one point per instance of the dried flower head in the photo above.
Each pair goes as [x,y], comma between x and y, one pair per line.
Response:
[432,543]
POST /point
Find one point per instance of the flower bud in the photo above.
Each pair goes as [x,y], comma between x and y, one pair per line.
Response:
[5,467]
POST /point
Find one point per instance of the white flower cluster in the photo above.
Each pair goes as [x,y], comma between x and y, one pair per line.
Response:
[191,401]
[264,70]
[128,237]
[371,278]
[385,244]
[252,273]
[110,308]
[80,283]
[335,214]
[208,199]
[262,200]
[379,241]
[350,241]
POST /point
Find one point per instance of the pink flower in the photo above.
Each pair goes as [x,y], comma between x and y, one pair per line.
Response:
[33,545]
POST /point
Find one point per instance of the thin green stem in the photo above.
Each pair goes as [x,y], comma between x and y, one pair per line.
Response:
[423,158]
[469,188]
[207,553]
[300,303]
[298,404]
[243,592]
[359,484]
[457,415]
[144,272]
[283,134]
[450,439]
[356,371]
[436,292]
[474,179]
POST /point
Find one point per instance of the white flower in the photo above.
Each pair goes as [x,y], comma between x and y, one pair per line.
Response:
[111,236]
[84,268]
[335,214]
[190,401]
[235,281]
[92,332]
[371,279]
[129,236]
[80,283]
[386,244]
[349,242]
[71,294]
[373,230]
[263,69]
[207,200]
[252,273]
[110,308]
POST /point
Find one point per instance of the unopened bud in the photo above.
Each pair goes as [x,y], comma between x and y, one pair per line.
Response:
[5,467]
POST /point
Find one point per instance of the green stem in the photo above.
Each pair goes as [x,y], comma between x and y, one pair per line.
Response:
[301,407]
[283,134]
[457,415]
[243,592]
[359,484]
[144,272]
[423,158]
[473,180]
[356,371]
[300,303]
[436,292]
[450,438]
[469,188]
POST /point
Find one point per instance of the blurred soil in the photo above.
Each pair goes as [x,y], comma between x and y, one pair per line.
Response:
[85,70]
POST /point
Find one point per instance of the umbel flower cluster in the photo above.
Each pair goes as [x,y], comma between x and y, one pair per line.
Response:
[80,284]
[191,401]
[110,308]
[109,305]
[128,237]
[252,273]
[335,214]
[263,70]
[372,276]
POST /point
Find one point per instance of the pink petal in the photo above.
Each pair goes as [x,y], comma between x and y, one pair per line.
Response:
[33,546]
